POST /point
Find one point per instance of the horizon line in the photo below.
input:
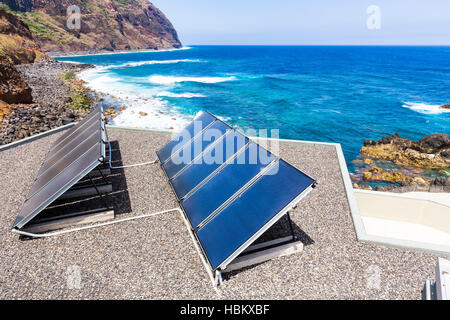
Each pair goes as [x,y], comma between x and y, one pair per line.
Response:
[321,45]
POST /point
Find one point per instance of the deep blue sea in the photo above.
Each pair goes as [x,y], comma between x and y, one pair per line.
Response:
[335,94]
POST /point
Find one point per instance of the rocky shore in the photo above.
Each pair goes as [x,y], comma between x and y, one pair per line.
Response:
[398,164]
[58,99]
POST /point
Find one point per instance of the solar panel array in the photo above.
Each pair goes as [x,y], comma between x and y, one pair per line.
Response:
[230,188]
[74,154]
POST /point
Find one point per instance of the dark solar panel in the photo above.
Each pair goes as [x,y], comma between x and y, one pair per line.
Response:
[211,160]
[231,202]
[92,117]
[199,123]
[192,149]
[225,183]
[249,213]
[65,161]
[66,148]
[74,156]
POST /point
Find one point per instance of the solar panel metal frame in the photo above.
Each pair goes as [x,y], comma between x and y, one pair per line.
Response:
[20,223]
[263,229]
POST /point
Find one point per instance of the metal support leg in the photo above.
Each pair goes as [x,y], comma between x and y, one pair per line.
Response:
[291,227]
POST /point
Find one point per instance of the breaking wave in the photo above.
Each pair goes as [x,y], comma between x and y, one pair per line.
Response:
[425,108]
[167,80]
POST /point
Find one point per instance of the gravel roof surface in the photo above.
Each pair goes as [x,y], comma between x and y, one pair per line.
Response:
[154,258]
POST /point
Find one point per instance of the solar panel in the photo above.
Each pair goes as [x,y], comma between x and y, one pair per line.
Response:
[230,193]
[251,211]
[225,183]
[189,152]
[80,126]
[56,155]
[200,122]
[72,156]
[211,160]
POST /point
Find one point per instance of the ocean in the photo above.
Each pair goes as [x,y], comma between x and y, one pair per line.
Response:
[338,94]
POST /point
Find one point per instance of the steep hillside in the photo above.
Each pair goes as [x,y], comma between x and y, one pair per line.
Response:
[105,24]
[13,89]
[16,41]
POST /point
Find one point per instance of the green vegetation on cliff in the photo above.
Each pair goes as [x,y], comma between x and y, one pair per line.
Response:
[104,24]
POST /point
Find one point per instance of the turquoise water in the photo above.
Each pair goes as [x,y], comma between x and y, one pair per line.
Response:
[333,94]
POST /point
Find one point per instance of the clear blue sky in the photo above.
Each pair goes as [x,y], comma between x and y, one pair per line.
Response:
[322,22]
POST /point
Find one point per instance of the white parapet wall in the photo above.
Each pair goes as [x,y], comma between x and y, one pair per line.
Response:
[443,279]
[418,221]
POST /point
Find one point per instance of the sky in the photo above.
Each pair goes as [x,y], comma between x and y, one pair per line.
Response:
[309,22]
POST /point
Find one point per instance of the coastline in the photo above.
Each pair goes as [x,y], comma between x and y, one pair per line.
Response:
[60,54]
[114,105]
[59,98]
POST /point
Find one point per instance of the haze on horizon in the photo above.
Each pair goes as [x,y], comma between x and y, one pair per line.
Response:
[301,22]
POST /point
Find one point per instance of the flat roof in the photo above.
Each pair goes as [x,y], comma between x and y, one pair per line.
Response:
[154,258]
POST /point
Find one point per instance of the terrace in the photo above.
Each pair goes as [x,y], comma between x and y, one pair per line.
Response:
[154,258]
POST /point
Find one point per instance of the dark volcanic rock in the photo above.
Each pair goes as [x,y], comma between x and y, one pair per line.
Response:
[434,142]
[397,140]
[369,142]
[440,184]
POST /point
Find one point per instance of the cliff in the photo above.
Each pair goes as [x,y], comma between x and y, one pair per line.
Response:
[16,40]
[16,46]
[104,24]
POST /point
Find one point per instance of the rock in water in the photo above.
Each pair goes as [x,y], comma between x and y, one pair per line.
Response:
[13,89]
[103,25]
[429,152]
[440,184]
[445,106]
[435,142]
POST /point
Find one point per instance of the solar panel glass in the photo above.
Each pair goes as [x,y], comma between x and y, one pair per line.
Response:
[200,122]
[251,211]
[209,161]
[192,149]
[225,183]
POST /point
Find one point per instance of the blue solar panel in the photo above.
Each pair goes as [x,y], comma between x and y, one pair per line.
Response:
[225,183]
[77,152]
[192,149]
[233,200]
[236,224]
[73,155]
[210,161]
[200,122]
[73,132]
[68,147]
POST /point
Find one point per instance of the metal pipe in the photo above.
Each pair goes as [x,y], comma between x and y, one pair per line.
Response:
[127,166]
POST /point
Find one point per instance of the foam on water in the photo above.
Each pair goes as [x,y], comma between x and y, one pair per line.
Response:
[168,80]
[180,95]
[337,94]
[141,106]
[150,62]
[425,108]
